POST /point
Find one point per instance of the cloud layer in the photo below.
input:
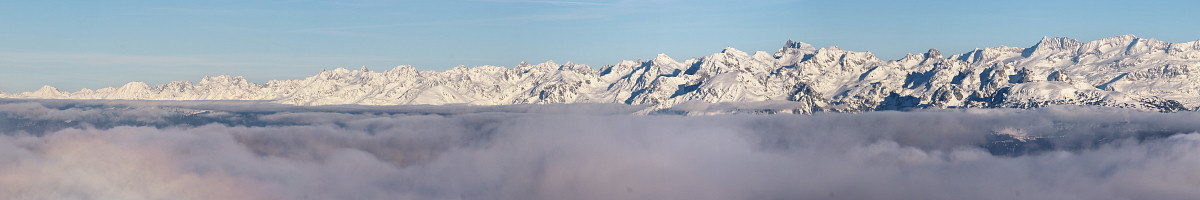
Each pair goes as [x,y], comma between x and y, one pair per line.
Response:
[213,150]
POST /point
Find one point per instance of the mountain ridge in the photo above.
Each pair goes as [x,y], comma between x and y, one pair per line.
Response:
[1123,71]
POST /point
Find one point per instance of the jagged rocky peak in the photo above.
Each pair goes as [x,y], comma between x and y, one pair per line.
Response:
[797,45]
[827,54]
[1056,44]
[1109,47]
[1146,46]
[987,55]
[793,53]
[336,73]
[1122,39]
[402,70]
[794,48]
[459,69]
[933,53]
[1186,46]
[175,86]
[970,56]
[910,58]
[524,66]
[179,83]
[222,80]
[549,64]
[1187,50]
[544,67]
[865,55]
[572,66]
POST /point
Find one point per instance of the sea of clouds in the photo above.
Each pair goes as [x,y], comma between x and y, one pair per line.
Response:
[248,150]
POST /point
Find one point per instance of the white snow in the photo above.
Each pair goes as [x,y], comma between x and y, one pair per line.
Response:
[1122,71]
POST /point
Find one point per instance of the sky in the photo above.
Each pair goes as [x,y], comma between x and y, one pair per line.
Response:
[96,44]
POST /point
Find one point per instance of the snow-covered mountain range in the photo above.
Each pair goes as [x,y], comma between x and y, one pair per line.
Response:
[1124,71]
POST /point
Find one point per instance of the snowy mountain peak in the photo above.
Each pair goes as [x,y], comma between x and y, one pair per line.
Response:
[1124,38]
[136,85]
[549,65]
[222,80]
[131,90]
[729,50]
[1146,46]
[970,56]
[910,58]
[1123,71]
[798,45]
[793,53]
[403,70]
[45,91]
[572,66]
[459,69]
[47,88]
[1186,50]
[1048,44]
[663,58]
[933,53]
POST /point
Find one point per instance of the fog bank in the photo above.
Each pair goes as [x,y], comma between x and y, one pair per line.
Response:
[214,150]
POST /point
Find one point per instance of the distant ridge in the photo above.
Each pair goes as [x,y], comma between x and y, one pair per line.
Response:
[1123,71]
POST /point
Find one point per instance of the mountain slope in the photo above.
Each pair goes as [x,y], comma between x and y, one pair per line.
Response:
[1124,71]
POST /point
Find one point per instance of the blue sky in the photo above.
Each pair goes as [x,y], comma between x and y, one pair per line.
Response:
[96,44]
